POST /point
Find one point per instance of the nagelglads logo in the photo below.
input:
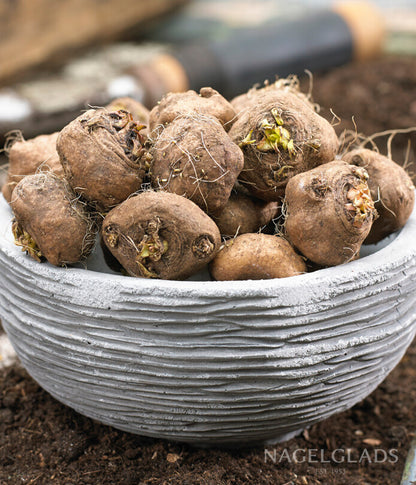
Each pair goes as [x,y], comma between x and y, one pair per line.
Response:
[314,455]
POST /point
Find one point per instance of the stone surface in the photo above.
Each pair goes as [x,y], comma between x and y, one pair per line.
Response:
[210,362]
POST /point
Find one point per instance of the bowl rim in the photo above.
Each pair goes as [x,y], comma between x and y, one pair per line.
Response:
[395,253]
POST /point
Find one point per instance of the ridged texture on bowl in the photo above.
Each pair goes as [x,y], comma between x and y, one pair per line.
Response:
[211,362]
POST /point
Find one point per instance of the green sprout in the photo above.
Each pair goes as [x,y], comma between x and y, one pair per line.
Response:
[151,248]
[276,116]
[283,172]
[276,137]
[247,140]
[26,241]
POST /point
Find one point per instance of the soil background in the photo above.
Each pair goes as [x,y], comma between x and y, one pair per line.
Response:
[45,442]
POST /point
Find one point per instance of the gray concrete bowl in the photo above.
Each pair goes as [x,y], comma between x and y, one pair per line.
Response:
[210,363]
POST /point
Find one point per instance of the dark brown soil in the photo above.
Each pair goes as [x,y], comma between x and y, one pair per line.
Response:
[44,442]
[372,98]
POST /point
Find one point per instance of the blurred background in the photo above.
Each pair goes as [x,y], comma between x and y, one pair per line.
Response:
[57,58]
